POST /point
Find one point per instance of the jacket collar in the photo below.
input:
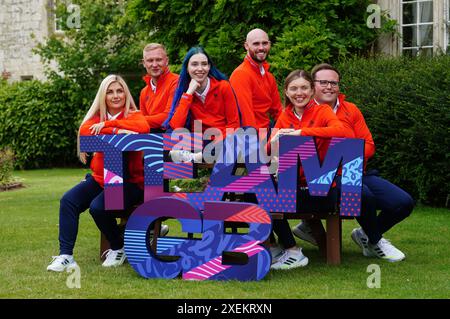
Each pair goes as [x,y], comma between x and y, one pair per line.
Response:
[147,78]
[255,66]
[290,108]
[341,98]
[213,85]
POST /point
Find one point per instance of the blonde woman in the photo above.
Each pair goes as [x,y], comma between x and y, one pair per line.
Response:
[112,112]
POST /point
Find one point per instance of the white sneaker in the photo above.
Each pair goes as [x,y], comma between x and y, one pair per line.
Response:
[163,232]
[304,232]
[180,156]
[385,250]
[276,252]
[291,258]
[361,239]
[176,189]
[114,258]
[61,263]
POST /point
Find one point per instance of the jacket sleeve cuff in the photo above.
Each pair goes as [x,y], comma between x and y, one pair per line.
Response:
[187,96]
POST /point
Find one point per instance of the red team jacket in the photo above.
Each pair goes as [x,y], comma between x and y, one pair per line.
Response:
[134,122]
[352,118]
[257,94]
[155,106]
[219,110]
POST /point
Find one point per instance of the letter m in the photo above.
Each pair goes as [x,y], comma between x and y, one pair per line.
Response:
[348,153]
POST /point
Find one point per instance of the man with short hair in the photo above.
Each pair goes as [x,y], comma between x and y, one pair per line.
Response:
[259,101]
[377,193]
[156,97]
[255,87]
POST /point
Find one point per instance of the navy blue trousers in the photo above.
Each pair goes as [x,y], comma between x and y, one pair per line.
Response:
[89,194]
[378,194]
[381,195]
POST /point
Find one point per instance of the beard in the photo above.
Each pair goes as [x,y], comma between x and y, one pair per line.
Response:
[254,56]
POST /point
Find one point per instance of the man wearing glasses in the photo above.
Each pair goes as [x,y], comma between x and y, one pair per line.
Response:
[377,193]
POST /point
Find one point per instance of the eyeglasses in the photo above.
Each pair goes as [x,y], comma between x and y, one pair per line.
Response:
[324,83]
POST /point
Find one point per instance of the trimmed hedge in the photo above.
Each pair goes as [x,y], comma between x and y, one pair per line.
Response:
[406,105]
[38,121]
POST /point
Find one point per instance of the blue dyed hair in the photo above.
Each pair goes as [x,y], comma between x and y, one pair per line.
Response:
[185,79]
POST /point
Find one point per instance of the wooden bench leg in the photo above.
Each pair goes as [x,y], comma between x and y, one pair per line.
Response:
[156,229]
[333,239]
[319,235]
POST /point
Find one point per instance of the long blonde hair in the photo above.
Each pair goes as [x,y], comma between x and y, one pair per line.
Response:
[99,107]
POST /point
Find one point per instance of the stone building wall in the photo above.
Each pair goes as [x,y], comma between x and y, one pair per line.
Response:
[23,23]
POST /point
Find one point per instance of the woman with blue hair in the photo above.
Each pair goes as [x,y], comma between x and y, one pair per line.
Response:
[203,93]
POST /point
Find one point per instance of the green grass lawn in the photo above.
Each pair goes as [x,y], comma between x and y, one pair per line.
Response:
[29,237]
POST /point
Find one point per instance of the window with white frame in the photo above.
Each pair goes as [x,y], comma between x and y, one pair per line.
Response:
[417,27]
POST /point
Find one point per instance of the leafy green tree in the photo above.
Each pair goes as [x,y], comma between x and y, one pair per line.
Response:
[302,32]
[112,34]
[100,46]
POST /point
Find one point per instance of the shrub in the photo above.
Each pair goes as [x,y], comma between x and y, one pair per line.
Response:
[38,121]
[6,166]
[407,107]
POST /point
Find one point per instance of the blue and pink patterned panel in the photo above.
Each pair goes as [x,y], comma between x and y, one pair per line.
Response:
[293,151]
[137,242]
[199,259]
[205,213]
[320,176]
[271,197]
[178,170]
[259,258]
[258,180]
[111,146]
